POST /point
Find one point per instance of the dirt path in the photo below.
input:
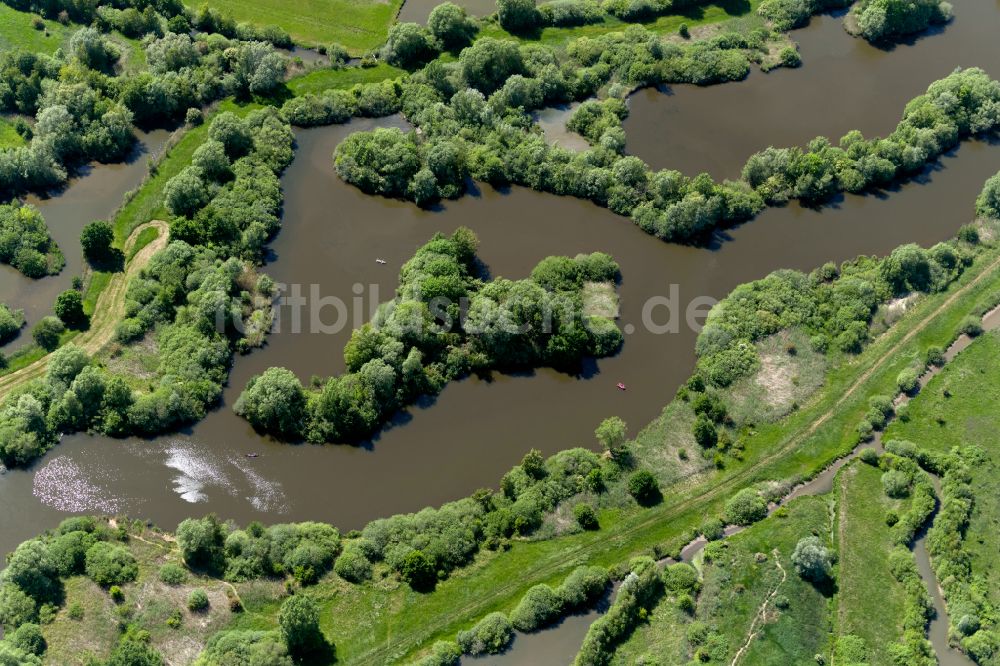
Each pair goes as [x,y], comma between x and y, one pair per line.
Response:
[108,311]
[761,616]
[378,653]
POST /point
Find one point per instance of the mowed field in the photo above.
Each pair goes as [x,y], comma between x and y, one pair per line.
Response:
[359,25]
[18,32]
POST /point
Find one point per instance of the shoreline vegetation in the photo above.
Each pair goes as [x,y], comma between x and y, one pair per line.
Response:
[441,567]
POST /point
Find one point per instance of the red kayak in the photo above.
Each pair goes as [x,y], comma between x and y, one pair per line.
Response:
[621,386]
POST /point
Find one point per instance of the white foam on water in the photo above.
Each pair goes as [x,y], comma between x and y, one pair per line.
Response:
[197,471]
[267,494]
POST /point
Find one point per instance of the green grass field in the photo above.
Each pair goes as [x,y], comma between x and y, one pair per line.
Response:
[968,415]
[17,32]
[715,12]
[358,25]
[9,138]
[328,79]
[866,586]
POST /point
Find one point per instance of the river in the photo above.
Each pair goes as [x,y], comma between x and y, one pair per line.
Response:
[475,430]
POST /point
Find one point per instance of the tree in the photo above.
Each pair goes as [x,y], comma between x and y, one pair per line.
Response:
[96,239]
[611,434]
[644,487]
[299,622]
[451,25]
[704,432]
[69,308]
[11,322]
[812,560]
[197,601]
[745,507]
[418,571]
[110,564]
[47,332]
[533,464]
[539,606]
[988,201]
[201,541]
[274,402]
[488,63]
[585,516]
[211,158]
[518,16]
[186,193]
[379,162]
[408,44]
[90,47]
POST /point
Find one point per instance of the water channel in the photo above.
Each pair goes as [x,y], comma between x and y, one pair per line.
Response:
[476,429]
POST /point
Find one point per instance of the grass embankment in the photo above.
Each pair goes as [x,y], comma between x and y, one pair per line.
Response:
[866,588]
[18,31]
[958,407]
[319,80]
[86,626]
[747,602]
[358,25]
[693,17]
[389,621]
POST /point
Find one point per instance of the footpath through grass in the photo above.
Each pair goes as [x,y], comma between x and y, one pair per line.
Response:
[358,25]
[389,621]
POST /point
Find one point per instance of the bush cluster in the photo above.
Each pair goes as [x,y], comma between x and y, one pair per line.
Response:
[421,340]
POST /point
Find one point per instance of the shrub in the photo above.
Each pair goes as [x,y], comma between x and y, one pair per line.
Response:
[353,565]
[418,571]
[443,653]
[69,309]
[539,607]
[971,326]
[173,574]
[644,487]
[110,564]
[585,516]
[907,381]
[704,432]
[47,331]
[28,638]
[518,16]
[194,117]
[812,560]
[745,507]
[582,586]
[96,239]
[116,594]
[11,322]
[197,601]
[935,356]
[713,529]
[869,456]
[491,635]
[896,483]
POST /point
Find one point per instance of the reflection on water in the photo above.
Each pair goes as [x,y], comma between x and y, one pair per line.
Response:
[69,486]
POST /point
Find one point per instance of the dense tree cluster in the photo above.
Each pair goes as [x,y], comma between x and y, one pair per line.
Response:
[637,595]
[245,647]
[891,20]
[229,199]
[444,323]
[25,242]
[835,305]
[199,298]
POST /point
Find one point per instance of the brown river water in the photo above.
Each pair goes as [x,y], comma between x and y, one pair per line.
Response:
[475,430]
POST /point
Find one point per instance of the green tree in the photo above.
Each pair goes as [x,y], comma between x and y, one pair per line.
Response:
[201,541]
[69,309]
[644,487]
[110,564]
[96,239]
[274,402]
[518,16]
[451,25]
[299,622]
[988,201]
[11,322]
[418,571]
[611,434]
[185,194]
[745,507]
[812,560]
[408,45]
[47,332]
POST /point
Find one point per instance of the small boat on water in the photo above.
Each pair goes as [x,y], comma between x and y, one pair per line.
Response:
[380,261]
[621,387]
[253,455]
